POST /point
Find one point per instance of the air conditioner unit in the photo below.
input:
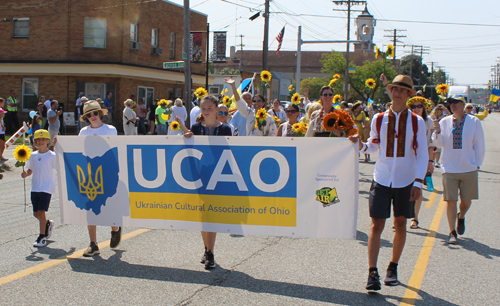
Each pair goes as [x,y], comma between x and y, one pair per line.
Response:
[135,46]
[156,51]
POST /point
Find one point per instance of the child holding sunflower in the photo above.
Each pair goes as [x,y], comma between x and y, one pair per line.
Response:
[207,124]
[42,165]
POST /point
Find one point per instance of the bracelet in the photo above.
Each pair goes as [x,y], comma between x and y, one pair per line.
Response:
[431,161]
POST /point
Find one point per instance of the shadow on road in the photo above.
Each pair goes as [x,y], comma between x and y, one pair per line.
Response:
[221,277]
[363,240]
[53,253]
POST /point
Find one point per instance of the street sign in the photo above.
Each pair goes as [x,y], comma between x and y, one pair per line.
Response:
[184,55]
[172,65]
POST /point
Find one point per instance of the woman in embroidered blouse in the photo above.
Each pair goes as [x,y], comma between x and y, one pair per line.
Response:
[285,129]
[207,124]
[315,125]
[438,113]
[362,123]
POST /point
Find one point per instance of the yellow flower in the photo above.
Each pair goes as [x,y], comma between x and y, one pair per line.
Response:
[336,76]
[175,126]
[337,98]
[22,153]
[163,101]
[370,83]
[303,127]
[261,114]
[332,82]
[296,98]
[226,101]
[377,52]
[256,124]
[390,51]
[165,116]
[429,106]
[442,89]
[296,128]
[290,88]
[277,120]
[329,121]
[265,76]
[201,92]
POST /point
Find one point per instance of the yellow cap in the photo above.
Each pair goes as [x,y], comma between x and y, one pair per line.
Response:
[41,133]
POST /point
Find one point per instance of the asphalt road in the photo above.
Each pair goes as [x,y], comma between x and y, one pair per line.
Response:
[161,267]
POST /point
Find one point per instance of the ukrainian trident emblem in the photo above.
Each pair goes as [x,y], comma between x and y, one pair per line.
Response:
[92,186]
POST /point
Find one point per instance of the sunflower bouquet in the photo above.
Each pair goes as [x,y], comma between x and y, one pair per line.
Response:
[339,120]
[299,129]
[227,101]
[260,119]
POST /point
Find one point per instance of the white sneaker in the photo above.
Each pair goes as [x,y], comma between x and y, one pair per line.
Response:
[40,241]
[48,228]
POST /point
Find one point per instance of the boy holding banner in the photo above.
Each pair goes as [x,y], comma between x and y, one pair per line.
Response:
[400,137]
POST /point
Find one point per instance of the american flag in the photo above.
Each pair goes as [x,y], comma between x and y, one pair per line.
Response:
[279,38]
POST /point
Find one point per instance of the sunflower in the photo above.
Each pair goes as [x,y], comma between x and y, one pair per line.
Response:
[265,76]
[333,81]
[344,121]
[371,83]
[337,98]
[336,76]
[352,132]
[429,105]
[330,121]
[296,99]
[175,126]
[442,89]
[390,51]
[296,128]
[165,116]
[201,92]
[303,128]
[290,88]
[377,52]
[277,120]
[22,153]
[226,101]
[261,114]
[163,101]
[413,100]
[256,124]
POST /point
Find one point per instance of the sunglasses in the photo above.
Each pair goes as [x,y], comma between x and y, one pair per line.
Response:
[416,106]
[327,95]
[223,113]
[469,107]
[291,111]
[95,113]
[257,101]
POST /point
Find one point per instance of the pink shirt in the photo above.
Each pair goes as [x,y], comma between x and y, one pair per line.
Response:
[141,110]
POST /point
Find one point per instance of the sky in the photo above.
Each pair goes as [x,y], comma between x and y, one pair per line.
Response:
[463,36]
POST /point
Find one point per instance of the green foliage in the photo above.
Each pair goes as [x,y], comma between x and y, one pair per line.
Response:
[314,85]
[226,70]
[370,69]
[419,72]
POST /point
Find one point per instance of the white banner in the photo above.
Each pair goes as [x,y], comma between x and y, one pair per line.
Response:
[283,186]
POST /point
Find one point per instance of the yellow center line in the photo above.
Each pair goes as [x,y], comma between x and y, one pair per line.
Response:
[415,282]
[60,260]
[432,198]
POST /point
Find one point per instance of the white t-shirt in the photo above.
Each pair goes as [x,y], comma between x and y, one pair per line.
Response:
[48,104]
[104,130]
[195,111]
[43,166]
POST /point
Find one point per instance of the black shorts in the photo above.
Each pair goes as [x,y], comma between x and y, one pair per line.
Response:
[40,200]
[382,196]
[2,137]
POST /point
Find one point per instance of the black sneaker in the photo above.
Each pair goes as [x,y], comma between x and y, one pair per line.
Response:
[40,241]
[204,257]
[210,261]
[48,228]
[452,239]
[116,237]
[391,278]
[92,250]
[373,281]
[460,225]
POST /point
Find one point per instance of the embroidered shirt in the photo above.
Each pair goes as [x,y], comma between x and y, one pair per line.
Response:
[391,169]
[270,129]
[472,149]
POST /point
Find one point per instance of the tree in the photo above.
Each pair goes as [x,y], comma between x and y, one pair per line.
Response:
[314,85]
[373,70]
[412,65]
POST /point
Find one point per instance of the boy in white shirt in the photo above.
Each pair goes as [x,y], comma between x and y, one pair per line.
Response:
[42,165]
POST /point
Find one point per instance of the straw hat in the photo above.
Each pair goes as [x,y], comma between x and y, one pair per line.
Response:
[404,82]
[91,106]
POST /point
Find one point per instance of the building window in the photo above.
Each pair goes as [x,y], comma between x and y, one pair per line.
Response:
[30,94]
[154,38]
[172,45]
[147,94]
[21,27]
[94,33]
[95,90]
[133,32]
[214,90]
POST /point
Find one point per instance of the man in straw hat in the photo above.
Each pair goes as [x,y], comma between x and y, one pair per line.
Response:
[93,114]
[461,137]
[400,137]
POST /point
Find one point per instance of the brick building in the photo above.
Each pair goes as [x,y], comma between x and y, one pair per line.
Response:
[63,47]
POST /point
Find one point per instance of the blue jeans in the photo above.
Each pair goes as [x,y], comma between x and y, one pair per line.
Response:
[142,126]
[161,129]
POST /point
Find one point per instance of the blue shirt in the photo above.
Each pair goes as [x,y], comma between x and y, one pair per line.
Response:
[107,103]
[239,122]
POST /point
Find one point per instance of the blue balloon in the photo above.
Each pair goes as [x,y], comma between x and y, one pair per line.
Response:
[32,114]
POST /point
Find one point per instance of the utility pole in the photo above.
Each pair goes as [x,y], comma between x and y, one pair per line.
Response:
[411,58]
[265,47]
[422,50]
[432,78]
[241,45]
[395,39]
[187,61]
[349,3]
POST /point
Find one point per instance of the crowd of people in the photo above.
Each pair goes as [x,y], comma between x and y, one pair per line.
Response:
[409,133]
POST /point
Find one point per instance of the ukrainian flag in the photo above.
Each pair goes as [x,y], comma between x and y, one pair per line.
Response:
[224,90]
[246,85]
[495,94]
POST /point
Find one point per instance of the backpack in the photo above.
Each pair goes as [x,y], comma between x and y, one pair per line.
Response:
[414,124]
